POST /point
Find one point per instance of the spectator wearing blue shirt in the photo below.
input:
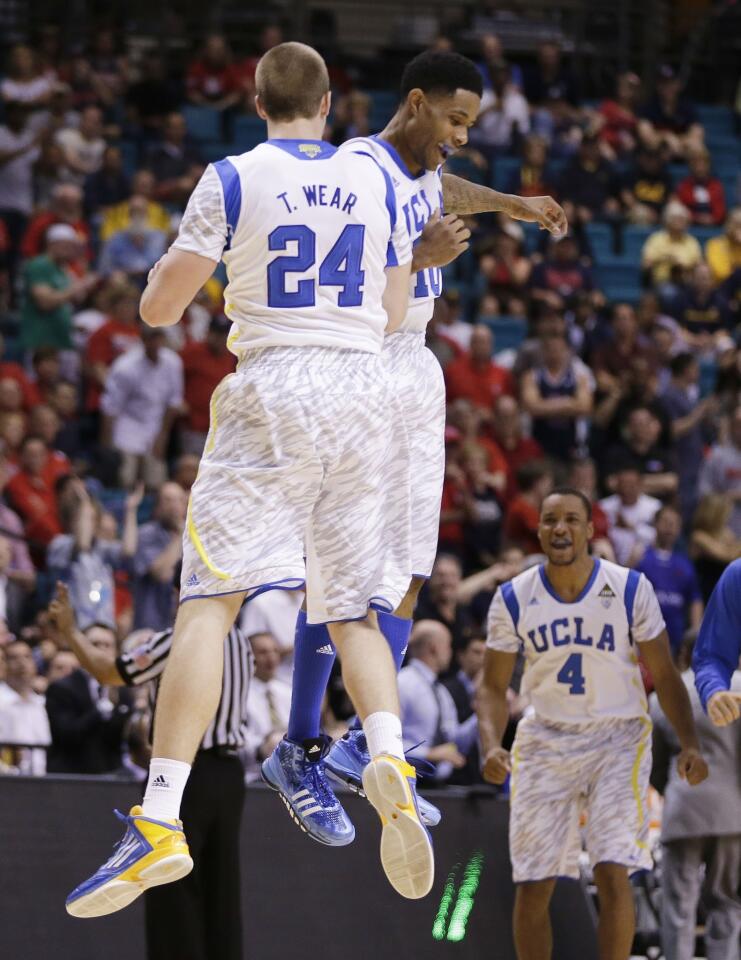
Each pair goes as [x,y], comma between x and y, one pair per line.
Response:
[136,249]
[718,649]
[673,578]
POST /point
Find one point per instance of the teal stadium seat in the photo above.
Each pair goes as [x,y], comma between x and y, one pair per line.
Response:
[383,107]
[504,169]
[248,133]
[634,238]
[600,238]
[214,150]
[509,332]
[202,123]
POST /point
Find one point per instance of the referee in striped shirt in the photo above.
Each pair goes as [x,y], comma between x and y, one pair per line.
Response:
[199,917]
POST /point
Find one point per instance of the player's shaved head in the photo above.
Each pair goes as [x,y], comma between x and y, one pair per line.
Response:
[290,81]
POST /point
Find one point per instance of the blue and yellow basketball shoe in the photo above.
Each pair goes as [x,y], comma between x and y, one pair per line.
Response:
[349,757]
[296,772]
[151,852]
[407,857]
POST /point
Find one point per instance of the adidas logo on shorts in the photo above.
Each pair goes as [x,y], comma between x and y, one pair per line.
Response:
[192,581]
[606,595]
[327,648]
[162,782]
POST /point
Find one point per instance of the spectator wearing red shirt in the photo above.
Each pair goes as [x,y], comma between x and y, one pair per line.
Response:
[475,377]
[625,345]
[465,419]
[66,207]
[46,374]
[32,490]
[516,449]
[118,334]
[205,365]
[212,79]
[535,481]
[559,278]
[702,193]
[619,123]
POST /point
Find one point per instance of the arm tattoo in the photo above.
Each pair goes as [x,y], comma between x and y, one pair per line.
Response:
[462,197]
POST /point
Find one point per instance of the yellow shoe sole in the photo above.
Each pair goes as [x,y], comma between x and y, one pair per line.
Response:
[117,893]
[407,857]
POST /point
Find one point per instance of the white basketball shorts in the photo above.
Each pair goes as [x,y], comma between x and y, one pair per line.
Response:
[295,484]
[420,388]
[562,772]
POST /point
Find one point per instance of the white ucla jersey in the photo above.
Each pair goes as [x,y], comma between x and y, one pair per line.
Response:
[306,234]
[418,198]
[581,663]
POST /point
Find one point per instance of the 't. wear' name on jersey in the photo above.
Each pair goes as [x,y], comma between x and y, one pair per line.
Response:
[581,662]
[418,198]
[306,258]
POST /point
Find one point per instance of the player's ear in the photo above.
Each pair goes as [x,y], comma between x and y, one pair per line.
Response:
[260,109]
[326,104]
[415,99]
[590,530]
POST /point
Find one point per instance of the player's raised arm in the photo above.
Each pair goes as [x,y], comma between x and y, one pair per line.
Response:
[99,664]
[462,197]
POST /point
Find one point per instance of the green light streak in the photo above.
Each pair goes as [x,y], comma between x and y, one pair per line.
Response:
[466,894]
[446,901]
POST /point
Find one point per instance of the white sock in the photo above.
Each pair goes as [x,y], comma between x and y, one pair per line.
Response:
[383,732]
[167,779]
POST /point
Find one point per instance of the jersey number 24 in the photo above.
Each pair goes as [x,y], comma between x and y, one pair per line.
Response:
[340,268]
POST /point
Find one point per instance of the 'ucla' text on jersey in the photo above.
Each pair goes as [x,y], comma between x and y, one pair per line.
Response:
[581,660]
[305,253]
[418,198]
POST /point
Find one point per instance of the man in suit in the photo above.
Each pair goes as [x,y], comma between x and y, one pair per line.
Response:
[428,713]
[87,719]
[701,826]
[462,688]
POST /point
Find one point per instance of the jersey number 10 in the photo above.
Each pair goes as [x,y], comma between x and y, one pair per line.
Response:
[340,268]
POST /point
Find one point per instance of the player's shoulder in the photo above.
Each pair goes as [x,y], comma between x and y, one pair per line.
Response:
[613,574]
[520,589]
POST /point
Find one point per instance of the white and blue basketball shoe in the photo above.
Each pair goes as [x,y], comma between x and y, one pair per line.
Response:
[349,757]
[150,853]
[296,772]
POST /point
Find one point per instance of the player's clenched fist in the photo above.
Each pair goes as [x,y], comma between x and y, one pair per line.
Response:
[692,767]
[497,765]
[441,241]
[724,707]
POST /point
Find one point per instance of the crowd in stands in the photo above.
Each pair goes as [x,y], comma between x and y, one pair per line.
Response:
[608,359]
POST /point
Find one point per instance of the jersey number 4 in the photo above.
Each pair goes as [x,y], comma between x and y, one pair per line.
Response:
[340,268]
[570,674]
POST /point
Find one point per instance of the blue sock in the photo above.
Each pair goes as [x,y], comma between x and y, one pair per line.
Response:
[313,659]
[397,633]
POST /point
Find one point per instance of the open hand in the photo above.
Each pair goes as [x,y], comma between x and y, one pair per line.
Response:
[61,613]
[545,212]
[724,707]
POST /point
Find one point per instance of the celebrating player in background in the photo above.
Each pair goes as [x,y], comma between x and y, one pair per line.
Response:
[441,96]
[587,746]
[298,459]
[717,653]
